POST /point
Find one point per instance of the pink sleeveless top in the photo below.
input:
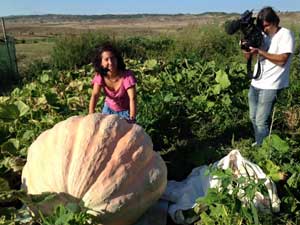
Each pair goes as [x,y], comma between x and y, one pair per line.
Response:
[117,100]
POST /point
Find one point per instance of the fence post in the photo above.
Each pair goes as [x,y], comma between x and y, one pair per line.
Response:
[3,28]
[6,40]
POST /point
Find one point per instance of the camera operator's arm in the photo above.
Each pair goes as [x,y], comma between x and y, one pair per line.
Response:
[278,59]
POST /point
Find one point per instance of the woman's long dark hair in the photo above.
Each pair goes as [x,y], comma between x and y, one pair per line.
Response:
[107,47]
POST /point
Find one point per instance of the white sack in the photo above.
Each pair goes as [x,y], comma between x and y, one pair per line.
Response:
[182,195]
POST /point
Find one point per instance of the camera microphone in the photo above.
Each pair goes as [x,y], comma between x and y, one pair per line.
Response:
[232,26]
[251,36]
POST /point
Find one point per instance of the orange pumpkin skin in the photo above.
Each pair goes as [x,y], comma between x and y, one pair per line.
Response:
[102,160]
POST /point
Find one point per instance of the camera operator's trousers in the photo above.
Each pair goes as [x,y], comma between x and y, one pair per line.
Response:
[261,103]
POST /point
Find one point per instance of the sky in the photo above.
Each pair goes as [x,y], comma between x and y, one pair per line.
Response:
[98,7]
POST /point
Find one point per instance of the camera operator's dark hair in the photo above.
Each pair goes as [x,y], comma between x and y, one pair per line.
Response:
[107,47]
[269,15]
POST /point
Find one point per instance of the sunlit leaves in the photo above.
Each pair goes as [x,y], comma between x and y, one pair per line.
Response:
[22,107]
[222,82]
[226,100]
[231,202]
[278,144]
[222,79]
[44,78]
[273,170]
[170,98]
[179,102]
[70,213]
[150,64]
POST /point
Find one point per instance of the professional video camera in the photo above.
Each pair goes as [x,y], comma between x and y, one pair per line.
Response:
[251,35]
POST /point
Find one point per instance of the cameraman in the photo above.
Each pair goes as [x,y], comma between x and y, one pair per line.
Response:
[274,57]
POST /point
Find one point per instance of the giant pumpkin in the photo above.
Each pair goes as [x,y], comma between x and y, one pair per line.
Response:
[102,160]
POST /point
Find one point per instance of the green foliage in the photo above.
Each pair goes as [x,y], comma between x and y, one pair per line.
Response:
[8,67]
[146,48]
[192,101]
[279,159]
[40,104]
[202,43]
[72,52]
[70,214]
[231,202]
[207,42]
[192,97]
[34,69]
[272,155]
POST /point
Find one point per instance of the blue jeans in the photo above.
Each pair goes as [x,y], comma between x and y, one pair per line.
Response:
[123,114]
[261,103]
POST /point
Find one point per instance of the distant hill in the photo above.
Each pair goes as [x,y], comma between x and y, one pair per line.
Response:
[61,17]
[50,25]
[54,18]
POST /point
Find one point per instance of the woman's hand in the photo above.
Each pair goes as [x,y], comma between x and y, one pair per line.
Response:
[131,120]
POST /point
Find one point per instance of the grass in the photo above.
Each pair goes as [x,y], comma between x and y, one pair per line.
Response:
[29,52]
[34,37]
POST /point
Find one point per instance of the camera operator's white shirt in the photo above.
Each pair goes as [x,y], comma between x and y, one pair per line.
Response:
[274,76]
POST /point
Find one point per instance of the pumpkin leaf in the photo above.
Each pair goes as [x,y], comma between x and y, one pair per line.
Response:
[170,98]
[222,79]
[9,112]
[41,100]
[51,98]
[44,78]
[150,64]
[11,146]
[216,89]
[178,77]
[226,100]
[294,180]
[279,144]
[4,186]
[22,107]
[209,105]
[28,135]
[273,170]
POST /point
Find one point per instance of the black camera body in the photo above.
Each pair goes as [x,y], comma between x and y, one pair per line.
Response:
[252,37]
[252,32]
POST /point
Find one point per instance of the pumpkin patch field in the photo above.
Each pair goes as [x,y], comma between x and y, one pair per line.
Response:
[192,105]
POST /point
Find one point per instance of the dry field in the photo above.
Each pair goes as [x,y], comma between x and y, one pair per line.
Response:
[47,26]
[52,25]
[34,34]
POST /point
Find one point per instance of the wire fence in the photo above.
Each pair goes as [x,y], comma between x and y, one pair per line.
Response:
[8,63]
